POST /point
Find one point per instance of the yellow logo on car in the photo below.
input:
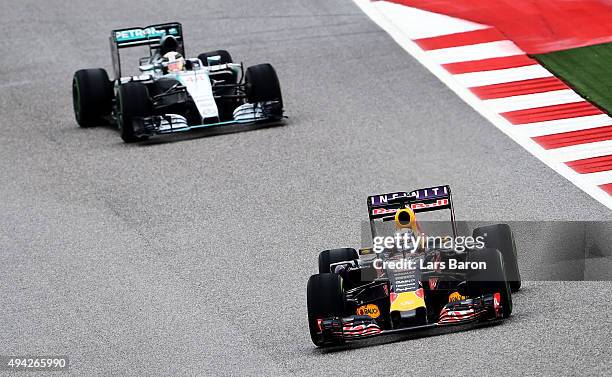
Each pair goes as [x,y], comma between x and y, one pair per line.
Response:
[370,310]
[455,296]
[405,301]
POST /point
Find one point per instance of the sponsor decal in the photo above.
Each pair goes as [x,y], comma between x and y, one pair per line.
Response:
[455,296]
[437,203]
[380,200]
[405,301]
[421,194]
[371,310]
[430,193]
[137,34]
[191,77]
[414,206]
[383,211]
[404,280]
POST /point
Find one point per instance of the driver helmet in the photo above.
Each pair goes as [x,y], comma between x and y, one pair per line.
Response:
[405,218]
[176,62]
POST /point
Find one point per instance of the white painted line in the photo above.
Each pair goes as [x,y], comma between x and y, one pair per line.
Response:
[582,151]
[425,24]
[500,76]
[398,31]
[15,83]
[497,49]
[564,125]
[600,178]
[529,101]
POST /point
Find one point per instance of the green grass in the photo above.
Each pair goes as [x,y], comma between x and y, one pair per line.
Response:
[588,70]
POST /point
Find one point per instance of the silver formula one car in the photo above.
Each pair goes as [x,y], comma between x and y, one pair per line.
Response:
[173,93]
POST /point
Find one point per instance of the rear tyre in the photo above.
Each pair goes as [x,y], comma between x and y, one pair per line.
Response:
[92,96]
[327,257]
[500,237]
[224,57]
[262,85]
[325,299]
[133,101]
[490,280]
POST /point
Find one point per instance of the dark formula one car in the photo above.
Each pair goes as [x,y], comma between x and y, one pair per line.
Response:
[172,93]
[414,285]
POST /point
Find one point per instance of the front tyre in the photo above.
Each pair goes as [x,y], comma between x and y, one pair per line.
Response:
[500,237]
[133,101]
[325,299]
[262,85]
[328,257]
[491,279]
[92,96]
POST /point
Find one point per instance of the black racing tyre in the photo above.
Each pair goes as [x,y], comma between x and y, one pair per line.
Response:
[133,101]
[224,55]
[500,237]
[327,257]
[325,298]
[92,96]
[262,84]
[490,280]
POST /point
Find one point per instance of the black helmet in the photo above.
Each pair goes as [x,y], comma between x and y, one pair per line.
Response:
[167,44]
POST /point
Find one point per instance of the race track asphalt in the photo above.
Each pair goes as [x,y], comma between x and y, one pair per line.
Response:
[190,256]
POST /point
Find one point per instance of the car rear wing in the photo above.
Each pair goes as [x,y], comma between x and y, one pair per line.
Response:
[143,36]
[383,207]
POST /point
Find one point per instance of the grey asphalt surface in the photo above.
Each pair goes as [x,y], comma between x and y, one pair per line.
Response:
[190,256]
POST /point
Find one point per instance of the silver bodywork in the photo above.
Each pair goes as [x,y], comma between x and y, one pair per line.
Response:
[199,85]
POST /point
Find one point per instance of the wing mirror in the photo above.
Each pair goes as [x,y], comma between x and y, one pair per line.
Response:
[214,60]
[147,67]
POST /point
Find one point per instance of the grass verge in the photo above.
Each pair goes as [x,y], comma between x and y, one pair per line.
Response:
[588,70]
